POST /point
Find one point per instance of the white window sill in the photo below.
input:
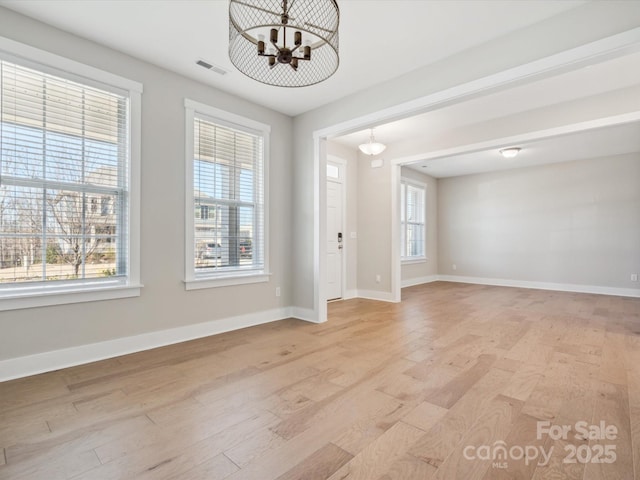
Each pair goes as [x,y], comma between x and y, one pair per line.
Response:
[42,297]
[413,260]
[227,280]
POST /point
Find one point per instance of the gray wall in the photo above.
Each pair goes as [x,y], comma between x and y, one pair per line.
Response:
[414,271]
[571,29]
[374,225]
[164,303]
[574,223]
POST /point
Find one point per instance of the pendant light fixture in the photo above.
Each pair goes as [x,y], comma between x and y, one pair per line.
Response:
[510,152]
[286,43]
[372,147]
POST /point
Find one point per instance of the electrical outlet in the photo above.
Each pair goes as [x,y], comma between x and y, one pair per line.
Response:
[454,267]
[378,278]
[634,277]
[277,291]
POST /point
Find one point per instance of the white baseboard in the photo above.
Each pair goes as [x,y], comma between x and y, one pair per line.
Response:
[410,282]
[562,287]
[69,357]
[48,361]
[375,295]
[349,294]
[305,314]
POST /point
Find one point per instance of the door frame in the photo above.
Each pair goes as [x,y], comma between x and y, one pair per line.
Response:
[342,163]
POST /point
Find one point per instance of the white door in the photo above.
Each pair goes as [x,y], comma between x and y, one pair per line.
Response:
[335,234]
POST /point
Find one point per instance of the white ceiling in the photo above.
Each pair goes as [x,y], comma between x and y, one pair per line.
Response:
[603,142]
[582,83]
[379,39]
[603,77]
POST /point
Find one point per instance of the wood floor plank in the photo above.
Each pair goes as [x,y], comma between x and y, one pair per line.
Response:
[218,468]
[632,351]
[62,467]
[285,402]
[371,407]
[635,438]
[381,391]
[166,453]
[260,442]
[320,465]
[31,420]
[450,393]
[425,416]
[438,443]
[529,348]
[409,467]
[377,458]
[612,367]
[319,411]
[13,432]
[557,467]
[33,390]
[612,408]
[524,381]
[318,387]
[522,434]
[544,402]
[151,442]
[403,387]
[72,452]
[578,402]
[492,426]
[271,380]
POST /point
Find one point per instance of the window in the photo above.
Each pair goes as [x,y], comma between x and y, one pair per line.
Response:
[105,206]
[412,218]
[226,165]
[202,212]
[333,171]
[65,184]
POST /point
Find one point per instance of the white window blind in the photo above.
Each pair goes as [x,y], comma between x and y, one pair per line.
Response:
[63,179]
[412,220]
[228,199]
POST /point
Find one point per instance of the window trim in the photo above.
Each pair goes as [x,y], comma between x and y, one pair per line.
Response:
[418,258]
[29,295]
[225,118]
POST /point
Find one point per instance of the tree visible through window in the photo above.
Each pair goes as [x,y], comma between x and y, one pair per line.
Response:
[63,178]
[412,219]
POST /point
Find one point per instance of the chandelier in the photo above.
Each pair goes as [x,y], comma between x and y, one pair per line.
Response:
[288,43]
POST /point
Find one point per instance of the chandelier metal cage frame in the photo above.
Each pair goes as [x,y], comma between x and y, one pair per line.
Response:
[288,43]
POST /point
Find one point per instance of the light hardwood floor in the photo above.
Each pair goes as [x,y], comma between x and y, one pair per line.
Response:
[379,392]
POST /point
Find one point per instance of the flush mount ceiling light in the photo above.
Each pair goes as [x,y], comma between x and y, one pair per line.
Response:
[373,147]
[510,152]
[289,43]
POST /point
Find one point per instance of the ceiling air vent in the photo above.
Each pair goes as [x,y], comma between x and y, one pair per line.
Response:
[215,68]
